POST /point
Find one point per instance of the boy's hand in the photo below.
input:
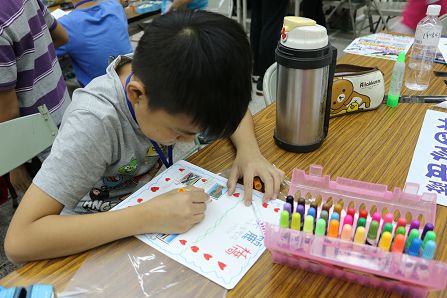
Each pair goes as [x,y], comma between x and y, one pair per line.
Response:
[249,164]
[177,212]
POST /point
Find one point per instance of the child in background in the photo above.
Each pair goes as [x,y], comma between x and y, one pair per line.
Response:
[190,74]
[415,11]
[168,5]
[97,30]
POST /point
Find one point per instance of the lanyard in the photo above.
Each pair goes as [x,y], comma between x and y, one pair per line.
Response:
[166,161]
[82,2]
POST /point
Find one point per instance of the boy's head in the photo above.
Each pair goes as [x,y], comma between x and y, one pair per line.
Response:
[198,65]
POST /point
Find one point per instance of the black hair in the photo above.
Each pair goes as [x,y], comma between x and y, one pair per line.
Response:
[198,64]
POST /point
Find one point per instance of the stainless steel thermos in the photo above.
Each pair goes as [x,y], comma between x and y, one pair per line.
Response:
[306,64]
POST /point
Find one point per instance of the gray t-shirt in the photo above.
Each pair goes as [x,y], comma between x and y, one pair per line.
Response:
[100,153]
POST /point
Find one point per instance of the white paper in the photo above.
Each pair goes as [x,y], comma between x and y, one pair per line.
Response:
[442,47]
[380,45]
[58,13]
[429,164]
[228,241]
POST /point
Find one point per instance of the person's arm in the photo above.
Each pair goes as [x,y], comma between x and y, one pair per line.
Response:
[179,4]
[59,35]
[250,162]
[37,231]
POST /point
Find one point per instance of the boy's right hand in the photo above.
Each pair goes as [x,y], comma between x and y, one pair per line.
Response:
[176,212]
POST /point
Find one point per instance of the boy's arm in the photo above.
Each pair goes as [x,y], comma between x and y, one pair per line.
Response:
[59,35]
[250,162]
[179,4]
[37,231]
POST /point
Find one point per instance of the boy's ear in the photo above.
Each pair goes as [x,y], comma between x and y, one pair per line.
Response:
[135,91]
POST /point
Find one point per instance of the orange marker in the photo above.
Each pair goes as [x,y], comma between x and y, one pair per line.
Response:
[398,244]
[181,189]
[334,225]
[257,184]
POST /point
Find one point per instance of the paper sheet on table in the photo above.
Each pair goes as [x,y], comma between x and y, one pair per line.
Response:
[429,164]
[228,241]
[442,48]
[58,13]
[380,45]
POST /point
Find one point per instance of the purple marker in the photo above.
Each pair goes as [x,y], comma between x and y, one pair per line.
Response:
[287,207]
[377,217]
[414,225]
[427,227]
[300,210]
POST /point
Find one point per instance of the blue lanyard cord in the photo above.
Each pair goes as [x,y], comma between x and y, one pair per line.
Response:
[166,161]
[82,2]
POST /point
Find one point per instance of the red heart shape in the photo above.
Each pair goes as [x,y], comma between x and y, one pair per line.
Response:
[181,169]
[265,205]
[154,188]
[167,179]
[139,200]
[194,248]
[221,265]
[236,194]
[276,210]
[203,180]
[183,242]
[207,256]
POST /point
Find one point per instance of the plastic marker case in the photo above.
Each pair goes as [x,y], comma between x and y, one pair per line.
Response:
[367,265]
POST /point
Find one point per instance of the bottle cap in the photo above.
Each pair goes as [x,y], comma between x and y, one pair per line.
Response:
[429,250]
[361,222]
[333,229]
[385,241]
[401,57]
[433,10]
[308,224]
[388,227]
[373,228]
[296,221]
[392,100]
[401,231]
[415,246]
[360,235]
[398,244]
[284,220]
[346,232]
[430,235]
[320,229]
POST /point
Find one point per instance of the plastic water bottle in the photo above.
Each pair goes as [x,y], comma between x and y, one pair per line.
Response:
[397,79]
[428,32]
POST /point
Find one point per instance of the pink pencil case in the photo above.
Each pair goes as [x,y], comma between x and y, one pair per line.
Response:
[364,264]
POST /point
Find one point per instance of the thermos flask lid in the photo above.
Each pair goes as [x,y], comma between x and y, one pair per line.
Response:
[303,33]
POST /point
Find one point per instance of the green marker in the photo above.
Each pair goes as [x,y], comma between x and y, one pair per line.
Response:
[309,224]
[400,230]
[361,222]
[414,233]
[284,220]
[388,227]
[320,229]
[371,239]
[296,221]
[397,78]
[431,236]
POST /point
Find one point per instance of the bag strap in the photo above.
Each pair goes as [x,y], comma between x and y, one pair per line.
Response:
[342,70]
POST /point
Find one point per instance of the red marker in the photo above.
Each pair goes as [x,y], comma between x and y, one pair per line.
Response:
[401,222]
[363,213]
[351,211]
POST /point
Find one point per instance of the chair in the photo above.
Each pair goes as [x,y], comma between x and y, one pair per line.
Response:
[25,137]
[269,84]
[224,7]
[352,6]
[384,9]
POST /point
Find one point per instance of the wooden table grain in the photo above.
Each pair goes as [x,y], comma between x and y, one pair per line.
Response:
[375,146]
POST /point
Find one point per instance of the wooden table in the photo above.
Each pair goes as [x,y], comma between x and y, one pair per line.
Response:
[373,146]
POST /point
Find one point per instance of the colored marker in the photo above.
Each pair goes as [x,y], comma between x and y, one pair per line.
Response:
[398,243]
[414,233]
[371,239]
[300,210]
[258,184]
[338,208]
[388,218]
[326,207]
[360,235]
[401,231]
[324,215]
[388,227]
[429,250]
[427,227]
[296,221]
[351,211]
[415,246]
[385,240]
[346,232]
[363,214]
[320,229]
[348,220]
[284,219]
[290,200]
[335,216]
[312,212]
[401,222]
[333,229]
[308,224]
[414,225]
[287,207]
[430,235]
[361,222]
[315,206]
[302,201]
[377,217]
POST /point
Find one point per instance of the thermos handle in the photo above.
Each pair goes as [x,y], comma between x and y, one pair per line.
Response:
[329,90]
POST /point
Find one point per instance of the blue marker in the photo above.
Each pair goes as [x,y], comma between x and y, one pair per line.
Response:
[429,250]
[312,212]
[335,216]
[415,246]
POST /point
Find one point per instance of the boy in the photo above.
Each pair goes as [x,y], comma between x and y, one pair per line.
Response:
[190,74]
[97,30]
[30,74]
[168,5]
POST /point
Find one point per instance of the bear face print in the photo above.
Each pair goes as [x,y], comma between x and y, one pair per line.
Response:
[343,96]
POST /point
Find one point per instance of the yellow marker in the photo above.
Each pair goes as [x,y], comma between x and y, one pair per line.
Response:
[346,232]
[360,235]
[385,241]
[296,221]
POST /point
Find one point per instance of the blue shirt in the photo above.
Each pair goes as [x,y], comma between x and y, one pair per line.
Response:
[193,5]
[94,34]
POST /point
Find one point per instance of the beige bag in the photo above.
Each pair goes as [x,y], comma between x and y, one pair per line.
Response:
[355,89]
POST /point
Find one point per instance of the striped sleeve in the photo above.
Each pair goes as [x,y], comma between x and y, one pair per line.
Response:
[8,68]
[49,19]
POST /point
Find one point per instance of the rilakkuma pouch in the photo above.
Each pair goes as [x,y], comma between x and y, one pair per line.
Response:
[356,89]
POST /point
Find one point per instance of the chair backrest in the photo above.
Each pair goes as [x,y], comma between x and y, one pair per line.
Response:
[224,7]
[25,137]
[443,20]
[269,84]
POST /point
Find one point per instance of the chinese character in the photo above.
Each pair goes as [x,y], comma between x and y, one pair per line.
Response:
[238,251]
[439,187]
[253,238]
[441,137]
[437,155]
[437,171]
[444,124]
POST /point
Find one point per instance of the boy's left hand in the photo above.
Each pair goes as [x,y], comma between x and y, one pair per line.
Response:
[249,164]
